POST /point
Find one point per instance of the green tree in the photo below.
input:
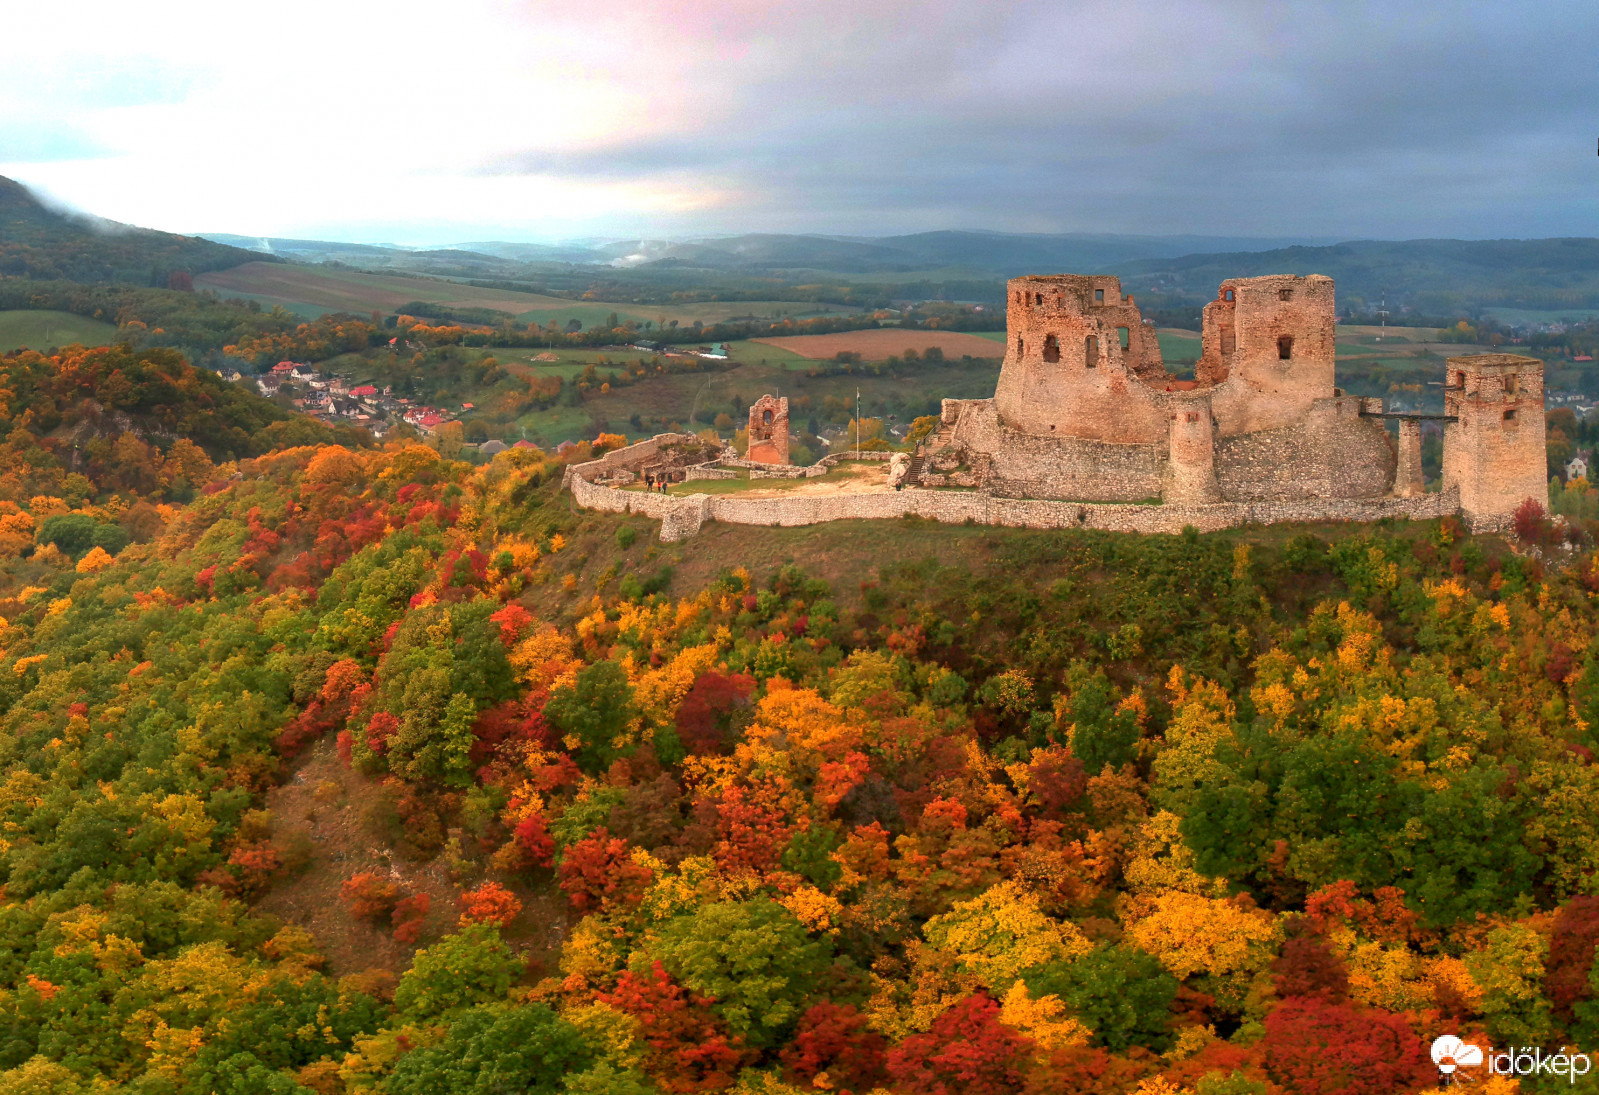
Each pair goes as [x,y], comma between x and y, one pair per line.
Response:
[597,708]
[1121,992]
[473,966]
[494,1049]
[752,957]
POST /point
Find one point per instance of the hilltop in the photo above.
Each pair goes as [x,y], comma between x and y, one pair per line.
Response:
[39,242]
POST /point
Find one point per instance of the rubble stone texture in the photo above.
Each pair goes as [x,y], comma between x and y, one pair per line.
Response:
[769,430]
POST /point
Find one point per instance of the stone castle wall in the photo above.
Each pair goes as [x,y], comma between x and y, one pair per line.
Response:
[1022,465]
[1332,453]
[630,458]
[683,517]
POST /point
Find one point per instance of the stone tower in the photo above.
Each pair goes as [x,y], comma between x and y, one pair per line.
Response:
[769,430]
[1494,449]
[1074,343]
[1273,337]
[1191,466]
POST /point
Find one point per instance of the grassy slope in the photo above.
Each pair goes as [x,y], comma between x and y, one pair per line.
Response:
[43,330]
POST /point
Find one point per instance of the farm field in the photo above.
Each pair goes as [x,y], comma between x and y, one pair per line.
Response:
[312,291]
[354,291]
[877,344]
[40,330]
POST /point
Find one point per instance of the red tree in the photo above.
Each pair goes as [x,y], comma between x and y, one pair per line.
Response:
[1308,967]
[533,838]
[967,1052]
[1316,1048]
[1056,779]
[598,873]
[490,903]
[689,1050]
[409,916]
[1571,954]
[706,716]
[370,896]
[835,1039]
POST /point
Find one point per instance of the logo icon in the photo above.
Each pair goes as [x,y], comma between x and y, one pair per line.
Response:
[1450,1054]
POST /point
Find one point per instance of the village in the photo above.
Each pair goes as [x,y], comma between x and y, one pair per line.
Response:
[336,400]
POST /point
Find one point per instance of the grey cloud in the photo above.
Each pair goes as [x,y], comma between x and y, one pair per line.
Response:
[1336,119]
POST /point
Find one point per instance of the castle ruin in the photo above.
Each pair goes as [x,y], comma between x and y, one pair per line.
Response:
[769,430]
[1085,409]
[1088,429]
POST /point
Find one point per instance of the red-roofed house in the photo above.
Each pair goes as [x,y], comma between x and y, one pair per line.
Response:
[283,367]
[364,389]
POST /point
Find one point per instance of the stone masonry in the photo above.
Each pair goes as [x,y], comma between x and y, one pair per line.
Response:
[769,430]
[1494,447]
[1087,429]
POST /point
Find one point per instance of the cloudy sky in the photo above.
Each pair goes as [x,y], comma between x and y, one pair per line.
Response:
[433,122]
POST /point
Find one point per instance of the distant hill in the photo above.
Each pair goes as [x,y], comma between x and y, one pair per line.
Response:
[1435,277]
[39,242]
[1419,277]
[991,253]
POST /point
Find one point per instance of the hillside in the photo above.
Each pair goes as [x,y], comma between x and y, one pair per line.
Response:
[115,426]
[1433,277]
[39,242]
[374,772]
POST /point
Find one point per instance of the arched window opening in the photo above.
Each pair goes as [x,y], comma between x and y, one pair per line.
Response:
[766,418]
[1051,349]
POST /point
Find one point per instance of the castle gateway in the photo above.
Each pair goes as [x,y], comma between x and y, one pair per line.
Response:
[1085,410]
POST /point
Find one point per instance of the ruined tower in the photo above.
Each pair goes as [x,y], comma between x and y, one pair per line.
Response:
[1273,338]
[1075,345]
[1190,477]
[769,430]
[1494,449]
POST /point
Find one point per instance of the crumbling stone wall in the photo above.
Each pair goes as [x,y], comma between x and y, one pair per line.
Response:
[1331,452]
[683,517]
[669,452]
[1015,464]
[1494,450]
[768,429]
